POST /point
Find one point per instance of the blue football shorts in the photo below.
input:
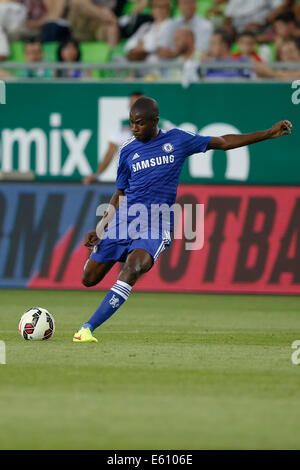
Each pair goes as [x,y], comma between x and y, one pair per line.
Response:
[108,250]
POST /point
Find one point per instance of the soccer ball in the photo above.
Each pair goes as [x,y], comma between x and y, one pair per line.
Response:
[37,324]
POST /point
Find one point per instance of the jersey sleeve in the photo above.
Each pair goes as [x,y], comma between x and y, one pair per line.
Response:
[123,172]
[194,143]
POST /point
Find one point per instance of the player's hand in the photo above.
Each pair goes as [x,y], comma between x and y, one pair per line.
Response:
[90,240]
[280,128]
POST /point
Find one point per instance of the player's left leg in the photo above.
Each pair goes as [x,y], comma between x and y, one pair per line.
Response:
[137,263]
[105,254]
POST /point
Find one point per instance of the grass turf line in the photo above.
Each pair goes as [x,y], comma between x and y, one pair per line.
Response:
[171,371]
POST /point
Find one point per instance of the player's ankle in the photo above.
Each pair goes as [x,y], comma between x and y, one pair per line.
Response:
[88,325]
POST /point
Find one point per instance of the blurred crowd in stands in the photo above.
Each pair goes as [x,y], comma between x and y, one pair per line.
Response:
[150,31]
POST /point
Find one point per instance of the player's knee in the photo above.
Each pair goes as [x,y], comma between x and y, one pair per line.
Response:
[140,268]
[87,281]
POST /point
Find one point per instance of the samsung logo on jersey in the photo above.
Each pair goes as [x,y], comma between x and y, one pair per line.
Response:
[164,160]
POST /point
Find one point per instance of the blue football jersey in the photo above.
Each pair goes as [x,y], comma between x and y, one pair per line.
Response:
[149,172]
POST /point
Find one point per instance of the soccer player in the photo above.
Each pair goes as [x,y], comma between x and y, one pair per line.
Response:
[148,173]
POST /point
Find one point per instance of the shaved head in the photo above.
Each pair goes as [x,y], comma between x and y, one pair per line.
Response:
[146,107]
[144,119]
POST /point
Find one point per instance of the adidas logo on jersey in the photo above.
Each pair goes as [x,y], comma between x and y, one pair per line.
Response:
[136,155]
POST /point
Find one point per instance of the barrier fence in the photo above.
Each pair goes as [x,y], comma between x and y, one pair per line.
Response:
[251,241]
[60,131]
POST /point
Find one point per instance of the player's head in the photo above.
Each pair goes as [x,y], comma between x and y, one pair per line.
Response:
[144,119]
[133,97]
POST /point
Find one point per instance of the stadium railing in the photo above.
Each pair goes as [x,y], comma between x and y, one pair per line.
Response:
[160,71]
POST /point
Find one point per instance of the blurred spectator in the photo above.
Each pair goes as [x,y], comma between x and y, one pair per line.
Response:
[34,53]
[4,45]
[56,27]
[185,45]
[247,44]
[69,51]
[296,10]
[219,47]
[130,23]
[201,28]
[94,20]
[12,18]
[216,13]
[249,15]
[46,19]
[149,37]
[36,10]
[285,7]
[289,51]
[285,27]
[220,52]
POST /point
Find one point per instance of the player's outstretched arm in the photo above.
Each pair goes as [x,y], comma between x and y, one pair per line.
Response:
[232,141]
[93,237]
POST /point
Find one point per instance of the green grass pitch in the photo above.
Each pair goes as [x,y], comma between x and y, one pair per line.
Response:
[171,371]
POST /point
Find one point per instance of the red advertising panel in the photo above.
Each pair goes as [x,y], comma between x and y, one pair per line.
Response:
[251,245]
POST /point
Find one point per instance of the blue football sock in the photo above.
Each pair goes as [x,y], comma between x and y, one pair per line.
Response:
[109,305]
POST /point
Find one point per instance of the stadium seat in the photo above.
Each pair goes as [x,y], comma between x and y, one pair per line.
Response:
[272,50]
[129,6]
[202,7]
[16,52]
[119,50]
[259,47]
[50,51]
[235,48]
[95,52]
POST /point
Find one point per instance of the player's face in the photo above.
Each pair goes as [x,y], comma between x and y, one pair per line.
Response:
[143,129]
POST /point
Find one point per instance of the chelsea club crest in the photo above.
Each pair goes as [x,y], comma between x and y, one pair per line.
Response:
[168,148]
